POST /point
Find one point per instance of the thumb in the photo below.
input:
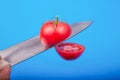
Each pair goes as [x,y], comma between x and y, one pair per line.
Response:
[3,63]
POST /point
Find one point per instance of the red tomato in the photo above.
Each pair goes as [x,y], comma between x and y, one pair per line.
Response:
[69,51]
[53,32]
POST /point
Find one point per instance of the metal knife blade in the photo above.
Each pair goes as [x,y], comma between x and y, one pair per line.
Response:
[33,46]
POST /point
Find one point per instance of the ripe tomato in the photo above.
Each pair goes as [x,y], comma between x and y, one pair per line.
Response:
[53,32]
[69,51]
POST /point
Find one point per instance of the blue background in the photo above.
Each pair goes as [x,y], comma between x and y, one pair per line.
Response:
[22,19]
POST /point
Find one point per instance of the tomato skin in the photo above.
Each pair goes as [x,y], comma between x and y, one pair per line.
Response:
[51,34]
[70,54]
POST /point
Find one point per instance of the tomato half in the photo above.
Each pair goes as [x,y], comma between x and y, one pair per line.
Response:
[69,51]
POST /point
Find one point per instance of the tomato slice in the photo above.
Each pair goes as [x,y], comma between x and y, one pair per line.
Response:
[69,51]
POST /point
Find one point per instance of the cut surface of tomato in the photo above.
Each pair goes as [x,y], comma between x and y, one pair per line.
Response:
[69,51]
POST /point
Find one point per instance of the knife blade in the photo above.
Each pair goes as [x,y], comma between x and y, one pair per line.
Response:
[33,46]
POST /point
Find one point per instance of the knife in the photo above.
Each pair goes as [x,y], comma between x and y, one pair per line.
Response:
[33,46]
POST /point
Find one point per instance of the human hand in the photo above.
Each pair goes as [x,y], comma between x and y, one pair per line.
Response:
[4,70]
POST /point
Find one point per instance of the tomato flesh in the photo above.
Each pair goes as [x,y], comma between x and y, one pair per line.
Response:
[69,51]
